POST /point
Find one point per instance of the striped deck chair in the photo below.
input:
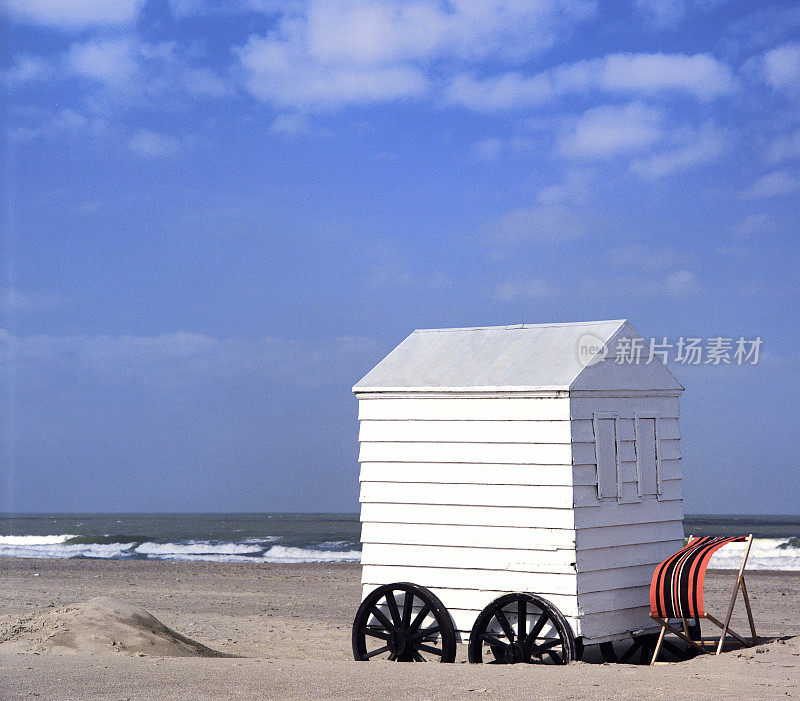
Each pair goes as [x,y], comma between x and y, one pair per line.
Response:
[676,591]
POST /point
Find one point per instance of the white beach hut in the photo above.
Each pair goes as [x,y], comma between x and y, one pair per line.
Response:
[539,458]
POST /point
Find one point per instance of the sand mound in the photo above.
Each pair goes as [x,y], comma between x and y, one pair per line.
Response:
[101,625]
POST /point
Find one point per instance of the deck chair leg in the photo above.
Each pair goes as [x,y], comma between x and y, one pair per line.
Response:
[727,618]
[749,612]
[735,593]
[658,645]
[665,623]
[730,631]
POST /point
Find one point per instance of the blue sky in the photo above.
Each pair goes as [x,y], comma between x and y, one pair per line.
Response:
[217,216]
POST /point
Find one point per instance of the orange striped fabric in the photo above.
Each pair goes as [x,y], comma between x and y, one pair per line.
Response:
[677,587]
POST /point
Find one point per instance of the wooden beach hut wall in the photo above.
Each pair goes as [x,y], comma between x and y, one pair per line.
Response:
[529,458]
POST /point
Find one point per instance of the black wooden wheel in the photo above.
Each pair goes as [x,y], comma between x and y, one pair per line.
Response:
[403,622]
[521,627]
[639,650]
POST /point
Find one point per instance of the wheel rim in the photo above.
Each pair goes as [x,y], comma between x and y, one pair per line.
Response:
[403,622]
[640,650]
[521,628]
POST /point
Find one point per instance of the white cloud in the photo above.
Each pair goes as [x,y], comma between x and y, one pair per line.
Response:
[393,267]
[700,76]
[535,289]
[123,72]
[182,357]
[676,283]
[340,52]
[576,188]
[680,283]
[16,301]
[488,149]
[696,149]
[395,277]
[57,125]
[507,91]
[370,32]
[182,9]
[754,225]
[785,147]
[279,70]
[651,259]
[153,144]
[74,14]
[662,14]
[611,130]
[290,124]
[543,223]
[109,61]
[781,67]
[27,68]
[779,182]
[204,82]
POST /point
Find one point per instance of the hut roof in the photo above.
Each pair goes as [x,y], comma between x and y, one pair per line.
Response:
[519,357]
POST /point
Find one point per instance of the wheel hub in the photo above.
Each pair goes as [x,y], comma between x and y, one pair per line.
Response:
[516,653]
[400,643]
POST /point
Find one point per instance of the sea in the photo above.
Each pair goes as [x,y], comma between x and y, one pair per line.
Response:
[275,537]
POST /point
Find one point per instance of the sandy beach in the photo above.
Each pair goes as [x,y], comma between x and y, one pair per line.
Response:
[289,625]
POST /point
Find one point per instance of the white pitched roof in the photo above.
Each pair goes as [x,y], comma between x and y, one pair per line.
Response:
[525,356]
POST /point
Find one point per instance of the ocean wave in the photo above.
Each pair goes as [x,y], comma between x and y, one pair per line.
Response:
[780,554]
[65,551]
[32,540]
[206,557]
[105,539]
[280,553]
[765,554]
[165,550]
[334,544]
[116,547]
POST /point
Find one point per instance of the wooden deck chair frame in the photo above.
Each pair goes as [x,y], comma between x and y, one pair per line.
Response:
[726,629]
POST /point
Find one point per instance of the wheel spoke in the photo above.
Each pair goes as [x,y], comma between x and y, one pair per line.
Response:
[505,625]
[392,657]
[630,651]
[381,616]
[385,648]
[522,620]
[492,641]
[499,654]
[431,649]
[673,649]
[537,628]
[417,657]
[408,609]
[393,610]
[422,634]
[376,633]
[417,622]
[554,656]
[607,652]
[549,644]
